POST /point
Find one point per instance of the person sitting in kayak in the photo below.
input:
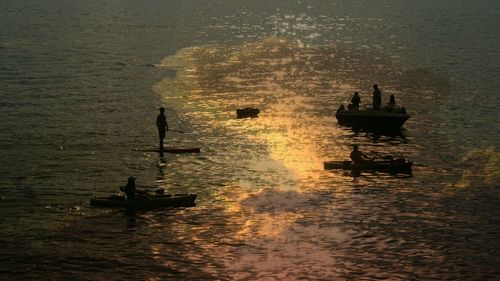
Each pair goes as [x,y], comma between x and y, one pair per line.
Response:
[357,156]
[131,192]
[129,189]
[355,101]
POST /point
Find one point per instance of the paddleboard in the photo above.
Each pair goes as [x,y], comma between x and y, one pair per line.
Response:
[175,150]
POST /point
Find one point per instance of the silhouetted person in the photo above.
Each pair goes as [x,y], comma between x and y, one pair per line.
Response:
[161,123]
[377,98]
[357,156]
[391,104]
[355,101]
[129,189]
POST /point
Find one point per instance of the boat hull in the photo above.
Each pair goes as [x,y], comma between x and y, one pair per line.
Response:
[177,200]
[372,119]
[390,167]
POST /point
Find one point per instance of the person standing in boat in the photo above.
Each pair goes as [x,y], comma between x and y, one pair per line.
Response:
[357,156]
[377,98]
[355,101]
[161,123]
[129,189]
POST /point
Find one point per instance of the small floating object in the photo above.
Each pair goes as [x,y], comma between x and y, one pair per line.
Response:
[247,112]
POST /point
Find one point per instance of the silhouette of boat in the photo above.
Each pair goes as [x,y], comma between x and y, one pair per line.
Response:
[247,112]
[396,166]
[143,202]
[377,120]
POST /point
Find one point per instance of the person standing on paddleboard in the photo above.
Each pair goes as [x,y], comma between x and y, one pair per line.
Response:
[161,123]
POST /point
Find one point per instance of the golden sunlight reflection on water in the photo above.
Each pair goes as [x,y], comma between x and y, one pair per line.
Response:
[279,76]
[271,166]
[266,209]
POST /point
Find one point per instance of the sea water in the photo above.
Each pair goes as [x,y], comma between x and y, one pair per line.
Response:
[81,84]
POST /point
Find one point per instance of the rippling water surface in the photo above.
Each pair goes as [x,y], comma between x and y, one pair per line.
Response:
[81,83]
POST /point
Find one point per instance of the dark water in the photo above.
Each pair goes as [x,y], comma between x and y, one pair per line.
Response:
[81,83]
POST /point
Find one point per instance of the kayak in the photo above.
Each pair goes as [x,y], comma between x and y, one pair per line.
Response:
[397,166]
[247,112]
[143,202]
[174,150]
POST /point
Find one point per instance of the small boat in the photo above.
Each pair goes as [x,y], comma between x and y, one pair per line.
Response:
[173,150]
[145,202]
[372,119]
[396,166]
[247,112]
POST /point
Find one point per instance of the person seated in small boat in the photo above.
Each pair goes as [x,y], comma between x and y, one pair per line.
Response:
[389,158]
[398,160]
[358,156]
[391,105]
[355,101]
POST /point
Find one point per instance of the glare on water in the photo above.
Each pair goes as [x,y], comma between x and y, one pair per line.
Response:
[82,83]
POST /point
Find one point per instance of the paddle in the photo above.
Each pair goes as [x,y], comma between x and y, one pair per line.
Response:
[159,190]
[391,158]
[366,156]
[177,131]
[387,157]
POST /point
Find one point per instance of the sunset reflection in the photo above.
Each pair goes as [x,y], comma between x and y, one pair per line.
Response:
[83,82]
[272,166]
[279,76]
